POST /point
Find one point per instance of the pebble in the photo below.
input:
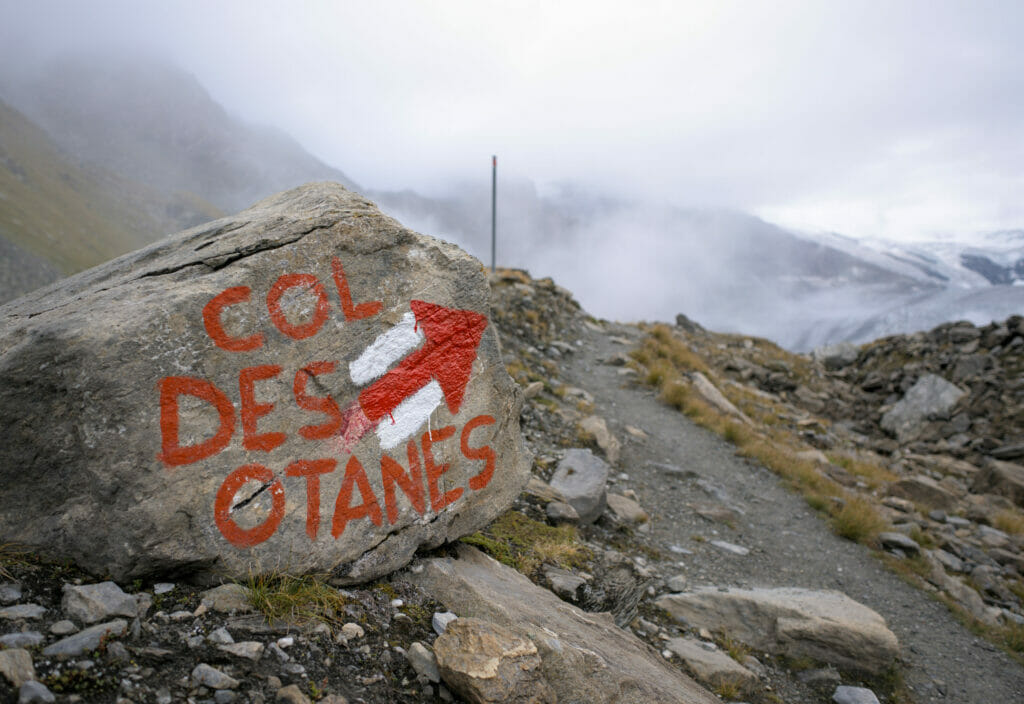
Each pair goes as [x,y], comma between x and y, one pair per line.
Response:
[63,628]
[285,642]
[854,695]
[220,637]
[24,639]
[423,661]
[440,621]
[206,676]
[676,583]
[23,612]
[352,631]
[248,649]
[730,547]
[32,692]
[163,587]
[10,592]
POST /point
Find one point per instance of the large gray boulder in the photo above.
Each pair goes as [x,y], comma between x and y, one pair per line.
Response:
[824,625]
[304,386]
[930,397]
[585,657]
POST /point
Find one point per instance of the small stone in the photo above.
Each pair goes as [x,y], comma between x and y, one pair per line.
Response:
[533,389]
[274,682]
[730,547]
[32,692]
[163,696]
[440,621]
[276,650]
[181,616]
[91,603]
[16,666]
[581,477]
[854,695]
[626,509]
[564,583]
[559,512]
[397,603]
[10,592]
[86,639]
[24,639]
[205,676]
[117,652]
[195,642]
[294,668]
[423,661]
[220,637]
[676,583]
[711,666]
[248,649]
[163,587]
[22,612]
[823,676]
[227,598]
[352,631]
[285,642]
[899,541]
[292,695]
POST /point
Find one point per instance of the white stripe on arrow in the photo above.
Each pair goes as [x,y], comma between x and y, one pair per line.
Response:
[386,350]
[410,415]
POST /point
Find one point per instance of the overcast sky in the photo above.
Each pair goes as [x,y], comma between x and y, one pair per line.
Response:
[893,119]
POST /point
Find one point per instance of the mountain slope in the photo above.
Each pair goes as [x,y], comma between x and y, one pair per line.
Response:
[155,124]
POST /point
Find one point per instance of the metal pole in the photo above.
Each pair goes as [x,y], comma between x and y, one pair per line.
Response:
[494,201]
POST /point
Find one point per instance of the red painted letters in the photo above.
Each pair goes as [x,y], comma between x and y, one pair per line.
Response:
[171,387]
[324,404]
[447,356]
[343,511]
[211,320]
[285,282]
[247,537]
[486,453]
[252,411]
[391,473]
[311,470]
[363,310]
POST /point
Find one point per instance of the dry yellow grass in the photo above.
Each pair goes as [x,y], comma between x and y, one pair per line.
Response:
[858,520]
[1009,521]
[295,598]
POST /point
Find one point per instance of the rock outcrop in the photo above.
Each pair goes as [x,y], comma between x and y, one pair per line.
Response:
[584,656]
[304,386]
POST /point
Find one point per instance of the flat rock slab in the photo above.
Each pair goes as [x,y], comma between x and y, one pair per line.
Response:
[824,625]
[304,386]
[584,656]
[712,667]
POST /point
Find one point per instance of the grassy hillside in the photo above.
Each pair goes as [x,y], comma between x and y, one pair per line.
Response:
[75,217]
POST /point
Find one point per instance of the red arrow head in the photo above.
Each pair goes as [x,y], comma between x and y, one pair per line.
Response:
[452,340]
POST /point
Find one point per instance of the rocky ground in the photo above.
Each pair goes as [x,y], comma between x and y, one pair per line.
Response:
[685,541]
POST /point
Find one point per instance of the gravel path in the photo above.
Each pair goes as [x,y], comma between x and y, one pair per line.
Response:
[789,544]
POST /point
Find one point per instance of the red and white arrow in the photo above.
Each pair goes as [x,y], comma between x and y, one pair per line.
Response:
[400,400]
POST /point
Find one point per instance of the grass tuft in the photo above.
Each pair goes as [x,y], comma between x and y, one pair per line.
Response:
[858,520]
[525,544]
[295,598]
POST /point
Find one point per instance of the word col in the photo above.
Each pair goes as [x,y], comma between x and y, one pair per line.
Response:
[440,345]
